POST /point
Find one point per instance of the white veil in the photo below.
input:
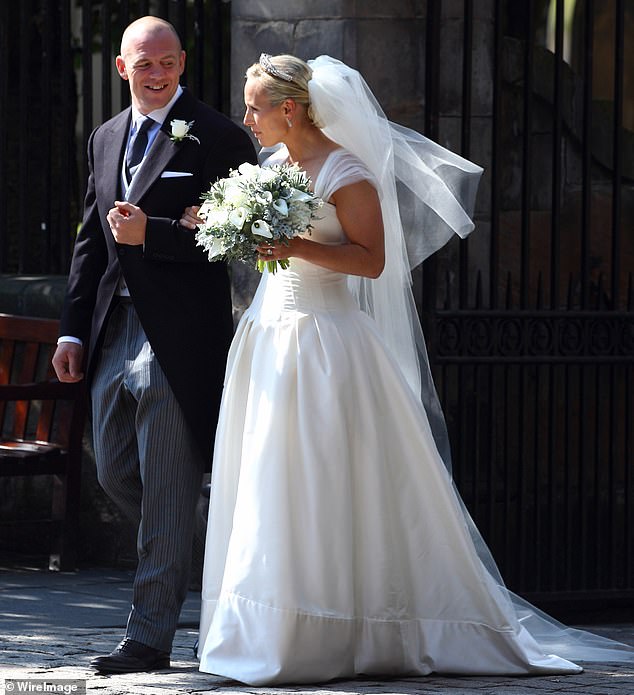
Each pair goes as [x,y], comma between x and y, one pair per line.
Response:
[424,189]
[427,195]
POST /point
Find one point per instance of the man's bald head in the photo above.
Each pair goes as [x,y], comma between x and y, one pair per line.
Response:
[152,61]
[146,27]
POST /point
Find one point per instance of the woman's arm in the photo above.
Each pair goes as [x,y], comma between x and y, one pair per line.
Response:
[359,213]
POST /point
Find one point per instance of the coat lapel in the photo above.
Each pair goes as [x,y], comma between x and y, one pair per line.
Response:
[114,144]
[162,151]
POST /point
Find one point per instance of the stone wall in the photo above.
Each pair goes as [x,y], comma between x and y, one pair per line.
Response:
[385,41]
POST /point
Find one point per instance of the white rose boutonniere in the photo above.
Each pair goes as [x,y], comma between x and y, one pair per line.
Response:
[180,131]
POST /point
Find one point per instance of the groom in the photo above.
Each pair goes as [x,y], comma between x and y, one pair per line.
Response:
[150,319]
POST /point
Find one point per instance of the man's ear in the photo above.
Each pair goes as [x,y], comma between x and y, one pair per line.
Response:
[120,63]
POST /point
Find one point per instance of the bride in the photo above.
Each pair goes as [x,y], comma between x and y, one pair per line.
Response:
[337,544]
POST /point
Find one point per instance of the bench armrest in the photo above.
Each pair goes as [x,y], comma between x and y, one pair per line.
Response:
[43,390]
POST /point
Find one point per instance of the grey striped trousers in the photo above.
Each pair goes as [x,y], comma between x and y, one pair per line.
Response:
[147,462]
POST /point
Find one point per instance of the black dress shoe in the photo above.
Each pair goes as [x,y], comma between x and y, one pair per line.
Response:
[130,657]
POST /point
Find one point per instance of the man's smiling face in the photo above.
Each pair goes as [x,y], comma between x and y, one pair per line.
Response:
[152,61]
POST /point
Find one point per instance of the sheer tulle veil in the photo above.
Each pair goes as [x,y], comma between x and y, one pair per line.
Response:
[427,195]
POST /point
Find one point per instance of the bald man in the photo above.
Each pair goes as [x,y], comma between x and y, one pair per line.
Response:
[149,321]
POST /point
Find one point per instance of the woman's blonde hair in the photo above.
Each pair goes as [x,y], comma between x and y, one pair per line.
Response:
[284,77]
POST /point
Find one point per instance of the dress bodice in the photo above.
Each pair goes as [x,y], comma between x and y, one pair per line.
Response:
[304,286]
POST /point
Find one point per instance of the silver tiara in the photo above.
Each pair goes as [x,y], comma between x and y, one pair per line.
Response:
[270,69]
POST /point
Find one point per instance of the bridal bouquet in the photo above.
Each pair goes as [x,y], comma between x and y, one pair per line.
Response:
[252,206]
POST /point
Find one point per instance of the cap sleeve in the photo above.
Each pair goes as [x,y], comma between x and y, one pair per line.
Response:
[340,169]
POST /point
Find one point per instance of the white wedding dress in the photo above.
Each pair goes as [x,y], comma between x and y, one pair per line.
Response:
[336,543]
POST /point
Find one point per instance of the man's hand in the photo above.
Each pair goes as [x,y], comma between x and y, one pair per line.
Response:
[67,362]
[127,223]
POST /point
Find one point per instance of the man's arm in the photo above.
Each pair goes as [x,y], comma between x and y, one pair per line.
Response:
[87,267]
[89,262]
[165,239]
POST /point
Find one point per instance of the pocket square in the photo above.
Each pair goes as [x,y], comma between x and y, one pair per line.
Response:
[175,174]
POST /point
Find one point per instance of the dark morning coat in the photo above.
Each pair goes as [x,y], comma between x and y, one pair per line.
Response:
[182,300]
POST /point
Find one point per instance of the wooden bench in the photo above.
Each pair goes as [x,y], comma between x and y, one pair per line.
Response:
[41,427]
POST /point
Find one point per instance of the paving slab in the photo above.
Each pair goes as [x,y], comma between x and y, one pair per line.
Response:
[34,601]
[53,624]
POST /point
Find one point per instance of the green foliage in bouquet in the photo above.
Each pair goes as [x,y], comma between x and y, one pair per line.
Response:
[255,205]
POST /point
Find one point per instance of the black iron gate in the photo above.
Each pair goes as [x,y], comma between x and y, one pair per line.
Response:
[530,321]
[57,82]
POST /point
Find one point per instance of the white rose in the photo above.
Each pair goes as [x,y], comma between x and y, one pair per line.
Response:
[234,195]
[267,174]
[249,170]
[179,128]
[217,217]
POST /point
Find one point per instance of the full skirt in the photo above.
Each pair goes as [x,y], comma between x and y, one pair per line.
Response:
[337,544]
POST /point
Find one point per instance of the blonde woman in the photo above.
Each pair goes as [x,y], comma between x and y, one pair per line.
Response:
[337,544]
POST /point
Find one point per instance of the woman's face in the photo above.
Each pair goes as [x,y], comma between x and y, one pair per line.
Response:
[267,122]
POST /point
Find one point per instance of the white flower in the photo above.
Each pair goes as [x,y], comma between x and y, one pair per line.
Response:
[179,128]
[300,196]
[250,171]
[281,206]
[205,209]
[180,131]
[261,228]
[216,217]
[237,217]
[267,175]
[216,249]
[284,204]
[264,197]
[235,195]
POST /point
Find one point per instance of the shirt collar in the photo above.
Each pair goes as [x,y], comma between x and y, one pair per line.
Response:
[158,115]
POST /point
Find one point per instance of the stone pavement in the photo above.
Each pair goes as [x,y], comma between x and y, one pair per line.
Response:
[52,624]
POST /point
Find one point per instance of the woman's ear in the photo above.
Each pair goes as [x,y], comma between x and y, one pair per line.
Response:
[288,108]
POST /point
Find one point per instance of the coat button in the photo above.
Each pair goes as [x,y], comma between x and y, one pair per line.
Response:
[122,252]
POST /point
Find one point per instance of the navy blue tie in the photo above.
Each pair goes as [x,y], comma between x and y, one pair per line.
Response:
[137,146]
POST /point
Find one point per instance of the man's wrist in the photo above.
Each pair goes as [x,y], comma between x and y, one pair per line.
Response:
[69,339]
